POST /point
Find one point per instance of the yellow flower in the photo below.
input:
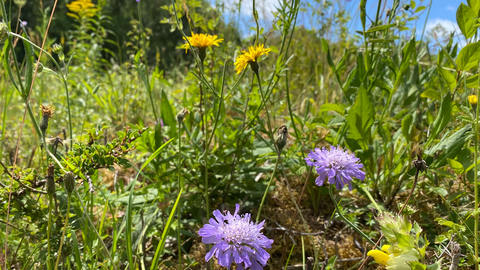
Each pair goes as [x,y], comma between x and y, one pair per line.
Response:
[380,256]
[201,41]
[81,8]
[473,99]
[250,57]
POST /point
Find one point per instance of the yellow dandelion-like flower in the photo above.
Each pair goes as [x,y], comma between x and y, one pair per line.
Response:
[201,41]
[380,257]
[473,99]
[81,8]
[250,57]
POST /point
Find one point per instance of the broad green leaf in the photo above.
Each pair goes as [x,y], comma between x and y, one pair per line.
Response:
[474,5]
[407,127]
[363,12]
[431,94]
[332,107]
[443,117]
[405,241]
[472,81]
[465,20]
[456,166]
[468,57]
[407,53]
[29,66]
[448,77]
[167,115]
[361,116]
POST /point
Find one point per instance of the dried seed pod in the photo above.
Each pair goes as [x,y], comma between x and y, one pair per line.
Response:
[281,139]
[181,115]
[51,180]
[69,180]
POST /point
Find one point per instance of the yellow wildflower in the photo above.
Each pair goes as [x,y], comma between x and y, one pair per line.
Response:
[380,257]
[473,99]
[81,8]
[201,41]
[250,57]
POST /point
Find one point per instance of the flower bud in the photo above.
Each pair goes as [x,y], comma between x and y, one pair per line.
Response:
[39,67]
[181,115]
[51,180]
[281,139]
[3,31]
[57,48]
[47,113]
[69,180]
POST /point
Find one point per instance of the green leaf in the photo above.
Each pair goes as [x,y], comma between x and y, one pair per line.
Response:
[448,77]
[436,266]
[405,241]
[456,166]
[381,27]
[168,116]
[363,12]
[332,107]
[407,127]
[469,56]
[443,117]
[29,68]
[417,265]
[472,81]
[431,94]
[361,116]
[449,147]
[465,20]
[474,5]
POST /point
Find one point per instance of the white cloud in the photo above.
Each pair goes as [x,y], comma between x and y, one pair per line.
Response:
[448,25]
[450,8]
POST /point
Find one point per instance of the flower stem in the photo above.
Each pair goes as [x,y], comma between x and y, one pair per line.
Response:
[345,219]
[268,187]
[179,241]
[50,201]
[63,234]
[475,140]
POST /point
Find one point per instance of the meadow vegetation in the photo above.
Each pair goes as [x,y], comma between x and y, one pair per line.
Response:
[183,135]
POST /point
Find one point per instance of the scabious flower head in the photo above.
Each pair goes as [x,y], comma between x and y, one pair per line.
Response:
[250,57]
[236,239]
[337,165]
[81,8]
[201,41]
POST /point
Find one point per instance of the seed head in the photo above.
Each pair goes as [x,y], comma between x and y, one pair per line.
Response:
[181,115]
[69,180]
[281,139]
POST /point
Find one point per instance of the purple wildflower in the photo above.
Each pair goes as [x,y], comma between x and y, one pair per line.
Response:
[236,239]
[337,165]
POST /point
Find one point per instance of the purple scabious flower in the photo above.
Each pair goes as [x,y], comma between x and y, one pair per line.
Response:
[337,165]
[236,239]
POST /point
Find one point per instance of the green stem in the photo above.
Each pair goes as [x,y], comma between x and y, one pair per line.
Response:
[270,134]
[476,184]
[345,219]
[50,201]
[68,110]
[179,241]
[268,187]
[63,234]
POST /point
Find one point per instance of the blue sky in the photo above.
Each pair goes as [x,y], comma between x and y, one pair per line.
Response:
[442,13]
